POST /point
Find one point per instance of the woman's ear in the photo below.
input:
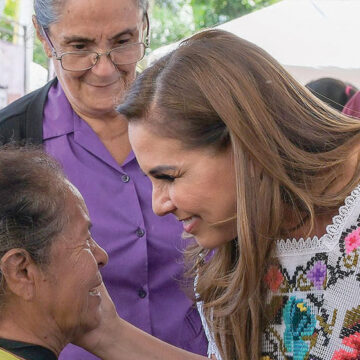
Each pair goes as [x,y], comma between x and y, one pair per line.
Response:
[19,272]
[40,36]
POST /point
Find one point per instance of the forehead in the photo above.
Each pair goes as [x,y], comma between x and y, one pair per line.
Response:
[97,17]
[144,138]
[152,149]
[78,219]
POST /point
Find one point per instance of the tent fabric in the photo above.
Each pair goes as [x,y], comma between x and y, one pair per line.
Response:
[311,38]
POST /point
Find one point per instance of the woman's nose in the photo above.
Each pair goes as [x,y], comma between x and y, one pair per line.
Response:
[101,255]
[161,203]
[104,66]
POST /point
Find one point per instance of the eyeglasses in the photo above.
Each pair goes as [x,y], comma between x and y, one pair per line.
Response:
[83,60]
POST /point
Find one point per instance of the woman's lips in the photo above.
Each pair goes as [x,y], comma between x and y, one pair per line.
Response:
[94,292]
[103,85]
[190,223]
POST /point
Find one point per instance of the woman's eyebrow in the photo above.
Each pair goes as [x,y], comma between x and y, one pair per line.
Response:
[160,169]
[78,38]
[124,32]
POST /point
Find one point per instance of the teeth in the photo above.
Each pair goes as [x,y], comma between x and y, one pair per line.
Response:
[94,292]
[187,221]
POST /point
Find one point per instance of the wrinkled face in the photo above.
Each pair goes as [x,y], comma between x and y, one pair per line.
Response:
[99,26]
[197,186]
[68,292]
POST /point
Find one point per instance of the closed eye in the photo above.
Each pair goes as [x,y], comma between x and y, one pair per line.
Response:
[78,46]
[165,177]
[123,41]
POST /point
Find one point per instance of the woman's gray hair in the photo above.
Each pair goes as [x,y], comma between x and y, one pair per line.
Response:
[33,193]
[49,11]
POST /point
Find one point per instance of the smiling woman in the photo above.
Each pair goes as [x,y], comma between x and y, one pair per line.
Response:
[49,263]
[184,183]
[118,24]
[259,169]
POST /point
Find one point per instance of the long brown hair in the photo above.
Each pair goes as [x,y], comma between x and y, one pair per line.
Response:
[218,90]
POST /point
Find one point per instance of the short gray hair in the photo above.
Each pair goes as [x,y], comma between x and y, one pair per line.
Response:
[48,11]
[33,192]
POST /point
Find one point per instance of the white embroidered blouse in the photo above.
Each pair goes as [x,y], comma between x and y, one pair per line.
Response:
[314,295]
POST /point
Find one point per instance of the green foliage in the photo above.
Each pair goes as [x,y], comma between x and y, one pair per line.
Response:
[39,55]
[7,28]
[171,23]
[11,8]
[208,13]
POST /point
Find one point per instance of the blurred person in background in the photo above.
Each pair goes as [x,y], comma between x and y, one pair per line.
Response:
[95,46]
[334,92]
[352,107]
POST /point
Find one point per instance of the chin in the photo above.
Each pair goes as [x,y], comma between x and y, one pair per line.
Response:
[213,241]
[101,108]
[91,320]
[208,242]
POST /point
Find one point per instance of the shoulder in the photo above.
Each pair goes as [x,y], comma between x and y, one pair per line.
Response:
[18,107]
[14,116]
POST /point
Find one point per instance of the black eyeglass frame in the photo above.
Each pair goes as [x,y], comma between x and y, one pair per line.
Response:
[146,44]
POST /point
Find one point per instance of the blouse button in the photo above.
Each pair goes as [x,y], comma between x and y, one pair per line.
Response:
[125,178]
[140,232]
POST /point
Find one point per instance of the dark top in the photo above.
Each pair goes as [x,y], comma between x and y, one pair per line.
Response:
[26,350]
[22,120]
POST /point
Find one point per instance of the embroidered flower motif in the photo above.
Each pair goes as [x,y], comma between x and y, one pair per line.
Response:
[317,274]
[299,324]
[273,278]
[352,241]
[352,341]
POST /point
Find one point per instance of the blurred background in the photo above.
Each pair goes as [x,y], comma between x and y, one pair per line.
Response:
[311,38]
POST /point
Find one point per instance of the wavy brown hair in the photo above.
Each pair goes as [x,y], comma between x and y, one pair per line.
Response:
[217,90]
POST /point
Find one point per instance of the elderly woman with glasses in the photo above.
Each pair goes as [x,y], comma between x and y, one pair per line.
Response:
[95,46]
[49,262]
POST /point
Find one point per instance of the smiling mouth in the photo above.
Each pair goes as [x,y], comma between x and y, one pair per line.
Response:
[94,292]
[103,86]
[189,223]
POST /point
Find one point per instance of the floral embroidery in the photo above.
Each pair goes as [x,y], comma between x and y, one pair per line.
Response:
[312,304]
[317,274]
[274,278]
[300,324]
[352,241]
[352,341]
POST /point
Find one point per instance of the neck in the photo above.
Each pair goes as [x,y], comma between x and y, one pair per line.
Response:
[19,325]
[112,130]
[108,127]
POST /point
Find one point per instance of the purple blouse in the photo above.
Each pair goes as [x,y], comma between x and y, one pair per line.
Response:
[145,266]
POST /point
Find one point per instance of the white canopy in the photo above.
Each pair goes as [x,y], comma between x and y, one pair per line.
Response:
[311,38]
